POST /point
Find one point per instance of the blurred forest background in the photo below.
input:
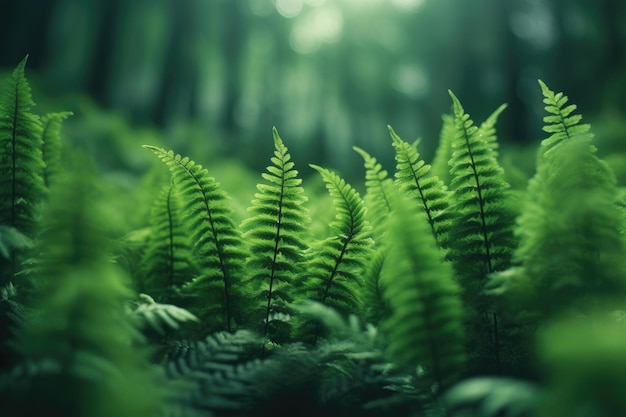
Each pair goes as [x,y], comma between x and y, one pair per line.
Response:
[210,78]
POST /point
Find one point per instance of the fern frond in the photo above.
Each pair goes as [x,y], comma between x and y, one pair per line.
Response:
[481,234]
[276,233]
[425,326]
[376,200]
[413,178]
[166,265]
[483,223]
[487,129]
[336,264]
[217,248]
[162,318]
[21,164]
[571,248]
[80,323]
[443,153]
[376,308]
[51,149]
[561,122]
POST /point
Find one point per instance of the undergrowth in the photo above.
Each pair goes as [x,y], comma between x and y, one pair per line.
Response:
[439,291]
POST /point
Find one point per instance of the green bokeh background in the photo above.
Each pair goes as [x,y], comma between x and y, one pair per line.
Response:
[210,78]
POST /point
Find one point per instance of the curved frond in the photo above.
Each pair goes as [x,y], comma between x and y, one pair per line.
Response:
[336,264]
[413,177]
[276,233]
[166,265]
[51,148]
[425,327]
[217,248]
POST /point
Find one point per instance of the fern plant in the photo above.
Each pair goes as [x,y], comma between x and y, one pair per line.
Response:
[79,344]
[217,248]
[481,233]
[425,327]
[21,164]
[276,233]
[51,147]
[571,248]
[413,178]
[166,265]
[335,265]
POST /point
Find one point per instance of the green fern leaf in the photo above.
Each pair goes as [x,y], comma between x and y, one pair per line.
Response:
[487,129]
[276,234]
[336,264]
[425,326]
[21,164]
[166,265]
[481,234]
[571,248]
[80,323]
[412,177]
[483,223]
[51,150]
[443,153]
[376,308]
[376,199]
[561,122]
[217,248]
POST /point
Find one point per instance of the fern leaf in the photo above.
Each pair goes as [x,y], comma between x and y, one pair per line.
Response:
[376,200]
[276,233]
[336,263]
[487,129]
[443,153]
[376,307]
[412,177]
[166,265]
[51,150]
[21,164]
[217,249]
[161,318]
[561,122]
[571,248]
[425,326]
[80,323]
[483,224]
[481,234]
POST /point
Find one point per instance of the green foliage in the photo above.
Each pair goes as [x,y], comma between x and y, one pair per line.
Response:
[275,234]
[376,199]
[413,178]
[51,148]
[166,265]
[216,240]
[21,163]
[455,292]
[335,266]
[425,327]
[80,328]
[561,121]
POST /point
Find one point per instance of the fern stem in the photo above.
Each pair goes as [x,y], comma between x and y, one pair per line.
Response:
[14,157]
[431,220]
[170,264]
[276,242]
[481,203]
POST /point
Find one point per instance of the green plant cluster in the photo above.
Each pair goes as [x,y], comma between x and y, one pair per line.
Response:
[439,292]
